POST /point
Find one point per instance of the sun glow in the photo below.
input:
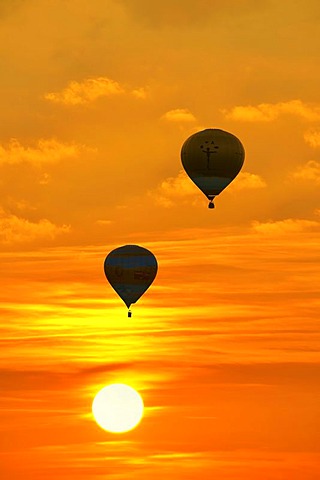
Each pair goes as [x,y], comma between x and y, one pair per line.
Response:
[117,408]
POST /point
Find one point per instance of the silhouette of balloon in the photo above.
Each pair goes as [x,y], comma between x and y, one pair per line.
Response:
[212,158]
[130,271]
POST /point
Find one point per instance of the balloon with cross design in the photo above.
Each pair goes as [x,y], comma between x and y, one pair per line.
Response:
[212,158]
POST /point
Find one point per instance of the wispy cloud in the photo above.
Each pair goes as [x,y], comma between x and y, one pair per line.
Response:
[21,205]
[14,229]
[174,188]
[312,138]
[181,188]
[79,93]
[45,151]
[267,112]
[310,171]
[140,92]
[103,222]
[179,115]
[246,180]
[289,225]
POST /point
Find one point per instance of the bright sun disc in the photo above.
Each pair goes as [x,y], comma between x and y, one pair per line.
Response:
[117,408]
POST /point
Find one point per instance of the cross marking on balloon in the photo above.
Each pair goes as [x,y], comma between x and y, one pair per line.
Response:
[208,152]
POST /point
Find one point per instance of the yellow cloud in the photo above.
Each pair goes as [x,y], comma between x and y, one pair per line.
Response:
[174,188]
[104,222]
[45,151]
[267,112]
[20,205]
[312,137]
[79,93]
[178,188]
[246,180]
[179,115]
[140,93]
[310,171]
[14,229]
[289,225]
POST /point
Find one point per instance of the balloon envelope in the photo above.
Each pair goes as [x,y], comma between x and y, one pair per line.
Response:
[212,158]
[130,271]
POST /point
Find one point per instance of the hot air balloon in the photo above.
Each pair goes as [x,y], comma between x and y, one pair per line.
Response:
[212,158]
[130,271]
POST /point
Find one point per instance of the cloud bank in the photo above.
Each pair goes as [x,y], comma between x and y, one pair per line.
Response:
[46,151]
[310,171]
[14,229]
[181,187]
[268,112]
[179,115]
[79,93]
[289,225]
[312,138]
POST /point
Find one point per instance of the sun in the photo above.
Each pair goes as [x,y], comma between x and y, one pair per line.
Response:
[117,408]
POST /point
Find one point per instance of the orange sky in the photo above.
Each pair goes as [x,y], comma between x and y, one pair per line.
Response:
[96,100]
